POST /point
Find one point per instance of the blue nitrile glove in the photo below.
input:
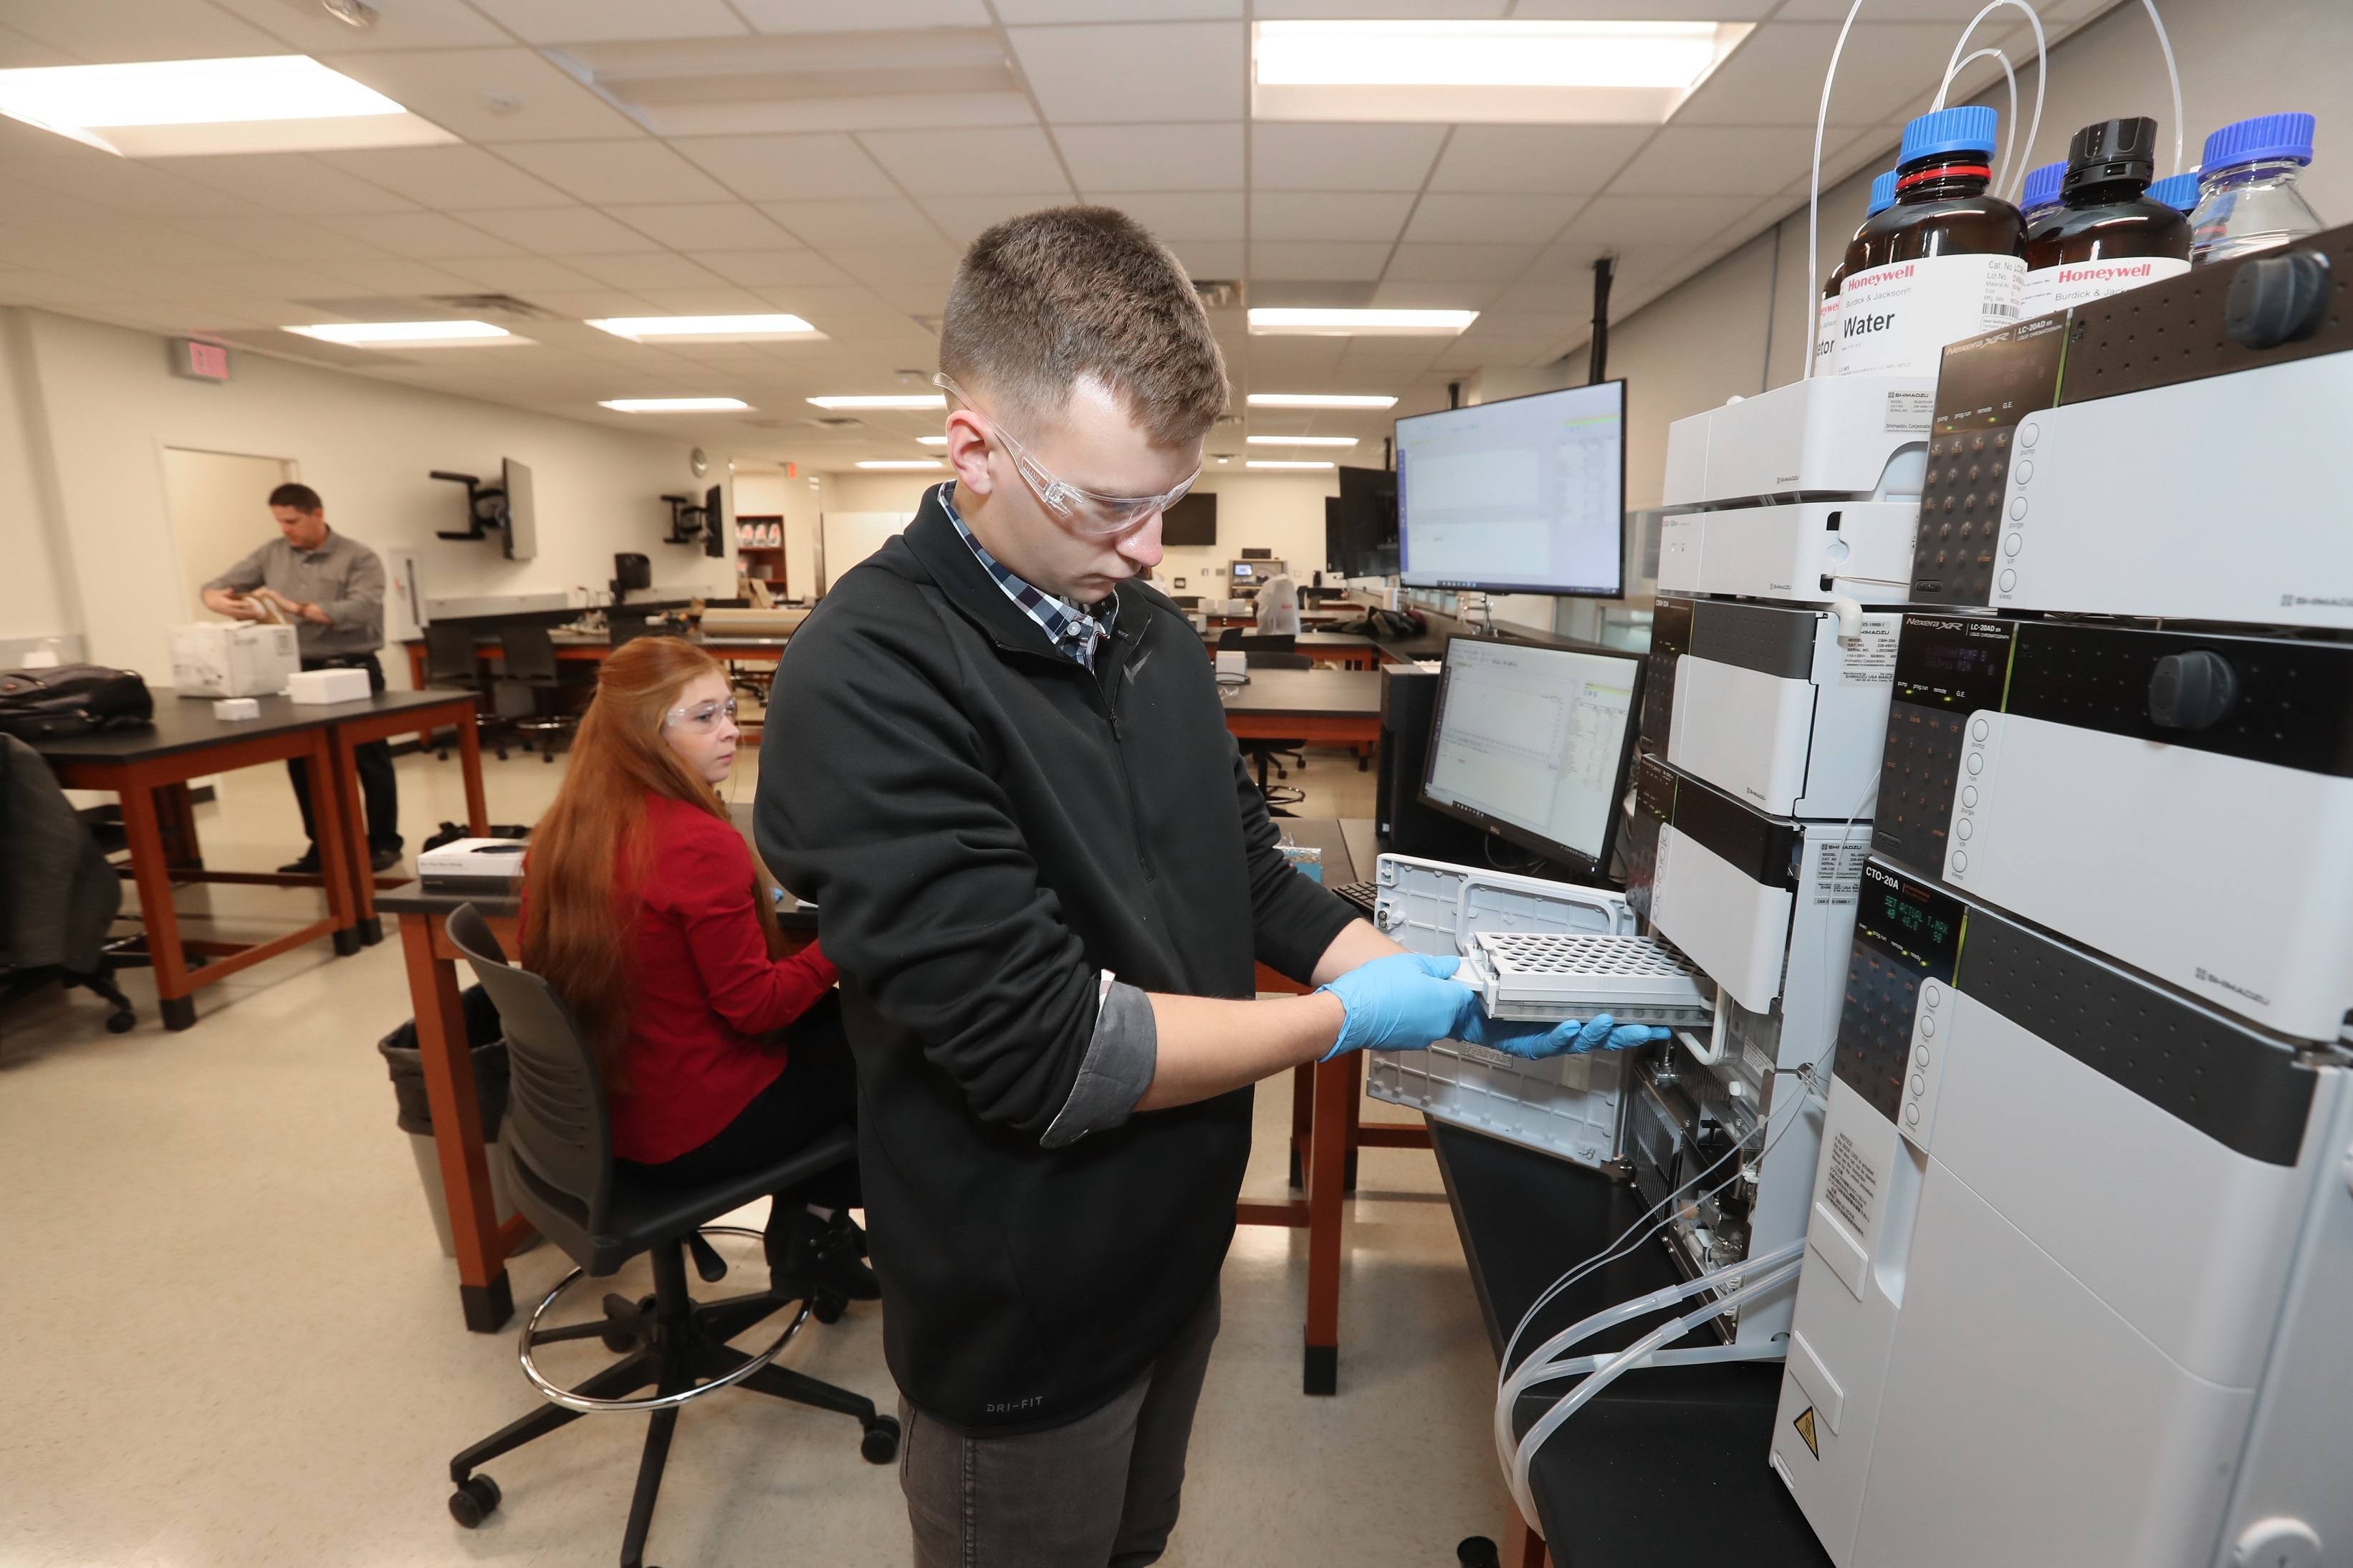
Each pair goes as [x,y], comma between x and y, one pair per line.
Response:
[1401,1002]
[1536,1041]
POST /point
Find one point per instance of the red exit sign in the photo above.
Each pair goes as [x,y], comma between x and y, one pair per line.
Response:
[199,361]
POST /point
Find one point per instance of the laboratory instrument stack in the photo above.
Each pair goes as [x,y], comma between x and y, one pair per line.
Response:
[2080,1236]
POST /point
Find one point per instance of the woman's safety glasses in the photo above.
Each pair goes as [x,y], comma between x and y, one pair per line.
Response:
[702,717]
[1083,511]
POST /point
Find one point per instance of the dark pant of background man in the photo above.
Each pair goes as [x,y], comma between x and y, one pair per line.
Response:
[378,787]
[1103,1489]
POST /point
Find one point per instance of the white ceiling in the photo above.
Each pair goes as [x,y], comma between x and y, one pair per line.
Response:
[850,209]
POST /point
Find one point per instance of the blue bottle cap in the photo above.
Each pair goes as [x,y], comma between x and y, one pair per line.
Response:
[2177,191]
[1882,193]
[2287,136]
[2042,186]
[1967,129]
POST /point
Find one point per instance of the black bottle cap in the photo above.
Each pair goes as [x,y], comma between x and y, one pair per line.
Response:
[2112,150]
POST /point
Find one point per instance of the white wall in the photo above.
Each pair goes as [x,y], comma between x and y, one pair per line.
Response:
[213,499]
[36,598]
[110,406]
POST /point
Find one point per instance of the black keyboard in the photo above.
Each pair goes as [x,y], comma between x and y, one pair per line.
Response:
[1364,895]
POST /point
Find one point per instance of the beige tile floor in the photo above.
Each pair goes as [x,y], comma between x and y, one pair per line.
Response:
[233,1343]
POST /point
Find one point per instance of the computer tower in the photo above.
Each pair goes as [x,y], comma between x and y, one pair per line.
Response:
[1402,821]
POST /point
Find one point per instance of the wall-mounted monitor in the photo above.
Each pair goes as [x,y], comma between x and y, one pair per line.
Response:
[718,528]
[1360,526]
[1523,496]
[1193,520]
[521,508]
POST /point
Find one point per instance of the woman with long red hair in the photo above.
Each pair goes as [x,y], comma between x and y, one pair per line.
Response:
[642,909]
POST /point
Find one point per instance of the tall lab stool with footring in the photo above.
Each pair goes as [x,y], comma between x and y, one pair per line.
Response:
[558,1146]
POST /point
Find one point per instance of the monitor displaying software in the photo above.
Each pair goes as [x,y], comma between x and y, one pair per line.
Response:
[1532,743]
[1523,496]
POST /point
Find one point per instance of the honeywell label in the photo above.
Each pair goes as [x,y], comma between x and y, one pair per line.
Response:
[1870,658]
[1897,320]
[2072,283]
[1909,411]
[1850,1186]
[1826,321]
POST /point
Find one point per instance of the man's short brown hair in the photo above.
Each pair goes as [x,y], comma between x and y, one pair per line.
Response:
[1051,296]
[301,498]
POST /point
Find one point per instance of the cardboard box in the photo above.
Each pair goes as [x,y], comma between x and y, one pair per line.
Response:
[313,686]
[227,658]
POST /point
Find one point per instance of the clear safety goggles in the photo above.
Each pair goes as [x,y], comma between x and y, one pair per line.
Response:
[702,717]
[1087,512]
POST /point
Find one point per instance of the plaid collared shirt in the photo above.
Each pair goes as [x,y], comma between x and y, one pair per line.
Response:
[1073,630]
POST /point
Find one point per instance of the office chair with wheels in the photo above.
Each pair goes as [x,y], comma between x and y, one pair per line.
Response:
[453,659]
[1229,637]
[527,656]
[1269,753]
[557,1144]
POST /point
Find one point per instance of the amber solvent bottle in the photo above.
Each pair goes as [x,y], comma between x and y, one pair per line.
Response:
[1947,261]
[2109,234]
[1882,195]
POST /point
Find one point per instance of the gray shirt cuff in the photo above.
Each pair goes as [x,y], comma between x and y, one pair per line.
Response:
[1120,1062]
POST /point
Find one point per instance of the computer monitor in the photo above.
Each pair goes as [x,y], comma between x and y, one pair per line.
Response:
[1533,743]
[1245,571]
[521,508]
[1523,496]
[1360,524]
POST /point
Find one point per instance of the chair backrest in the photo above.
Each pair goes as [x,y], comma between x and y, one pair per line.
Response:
[527,653]
[450,655]
[1271,642]
[557,1133]
[1230,638]
[1254,659]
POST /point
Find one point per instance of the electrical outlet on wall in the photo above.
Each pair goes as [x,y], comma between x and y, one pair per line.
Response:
[1180,583]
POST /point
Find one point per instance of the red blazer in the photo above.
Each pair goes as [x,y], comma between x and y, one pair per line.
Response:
[709,999]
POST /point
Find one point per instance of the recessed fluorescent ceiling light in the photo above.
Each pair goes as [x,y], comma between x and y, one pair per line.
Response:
[166,109]
[407,334]
[1283,321]
[1559,73]
[706,329]
[1279,463]
[1300,440]
[900,463]
[1319,400]
[673,405]
[931,440]
[887,400]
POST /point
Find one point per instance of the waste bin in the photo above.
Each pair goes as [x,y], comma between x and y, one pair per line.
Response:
[405,1063]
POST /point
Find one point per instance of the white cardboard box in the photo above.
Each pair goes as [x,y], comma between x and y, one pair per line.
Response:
[328,686]
[224,658]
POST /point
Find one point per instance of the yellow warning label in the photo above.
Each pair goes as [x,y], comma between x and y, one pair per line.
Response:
[1805,1426]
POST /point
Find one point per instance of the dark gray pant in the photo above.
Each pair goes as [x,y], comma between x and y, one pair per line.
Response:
[379,786]
[1101,1492]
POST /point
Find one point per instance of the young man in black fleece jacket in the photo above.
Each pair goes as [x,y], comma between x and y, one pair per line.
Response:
[997,762]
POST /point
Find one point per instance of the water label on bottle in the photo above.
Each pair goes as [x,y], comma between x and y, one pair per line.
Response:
[1897,320]
[2072,283]
[1826,333]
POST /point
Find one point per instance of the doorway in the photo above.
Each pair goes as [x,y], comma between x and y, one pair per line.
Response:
[219,505]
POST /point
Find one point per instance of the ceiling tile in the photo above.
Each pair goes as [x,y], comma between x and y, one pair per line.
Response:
[565,231]
[1470,261]
[660,269]
[1395,294]
[1775,76]
[1883,11]
[280,237]
[604,172]
[698,225]
[1174,216]
[1411,10]
[1152,70]
[757,269]
[585,303]
[1208,259]
[293,183]
[867,15]
[148,189]
[605,21]
[972,162]
[447,179]
[1295,157]
[705,302]
[1153,157]
[1015,12]
[1319,214]
[788,168]
[18,52]
[1615,221]
[404,277]
[1721,161]
[98,32]
[409,24]
[1555,159]
[528,275]
[1444,216]
[1287,260]
[488,96]
[421,237]
[962,217]
[827,224]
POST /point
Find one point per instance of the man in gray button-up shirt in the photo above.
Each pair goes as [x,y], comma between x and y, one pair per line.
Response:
[331,587]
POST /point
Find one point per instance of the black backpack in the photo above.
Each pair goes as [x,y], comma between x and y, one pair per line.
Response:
[72,699]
